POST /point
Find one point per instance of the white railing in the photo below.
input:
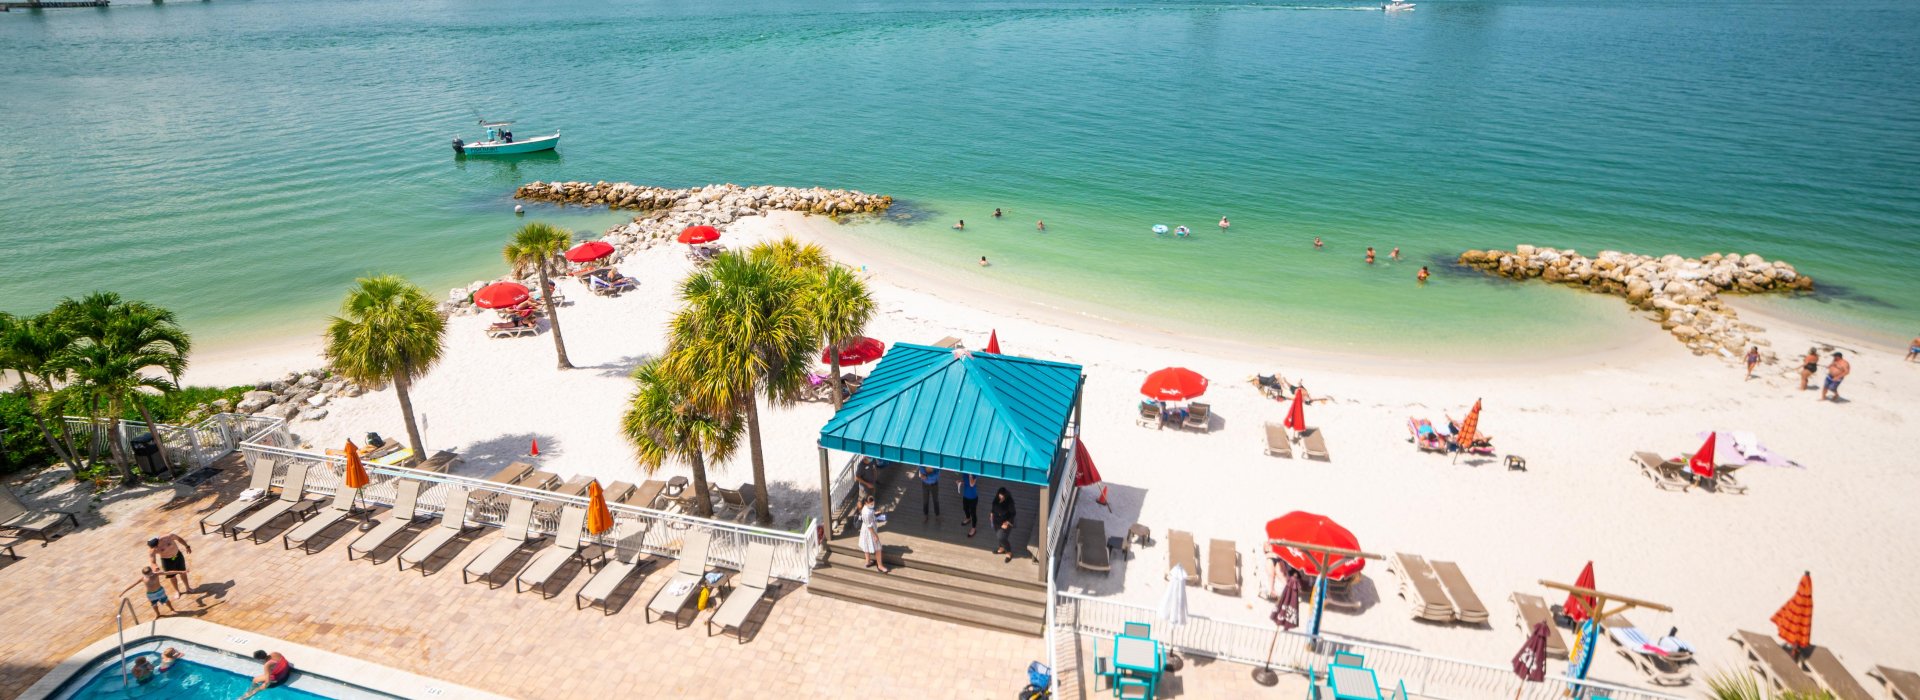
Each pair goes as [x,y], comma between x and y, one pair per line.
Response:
[190,447]
[1425,675]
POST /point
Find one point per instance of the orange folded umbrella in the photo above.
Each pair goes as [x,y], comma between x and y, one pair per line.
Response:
[599,519]
[356,472]
[1794,620]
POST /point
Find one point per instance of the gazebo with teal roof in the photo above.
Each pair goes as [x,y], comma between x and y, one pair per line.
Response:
[995,416]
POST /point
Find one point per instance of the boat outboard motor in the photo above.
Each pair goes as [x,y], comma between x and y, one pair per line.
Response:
[459,146]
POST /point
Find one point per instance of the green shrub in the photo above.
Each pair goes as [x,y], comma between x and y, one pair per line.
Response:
[179,407]
[21,446]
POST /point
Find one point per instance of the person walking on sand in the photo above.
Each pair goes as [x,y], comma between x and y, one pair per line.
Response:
[870,536]
[1837,372]
[1369,255]
[1395,255]
[274,672]
[1809,365]
[1422,276]
[1003,523]
[996,212]
[1753,359]
[970,502]
[1913,350]
[165,553]
[156,592]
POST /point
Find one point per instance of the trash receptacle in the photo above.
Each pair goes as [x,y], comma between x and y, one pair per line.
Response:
[144,449]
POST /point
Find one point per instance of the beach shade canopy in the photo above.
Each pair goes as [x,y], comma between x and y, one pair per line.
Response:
[1297,413]
[996,416]
[1286,613]
[1702,461]
[590,250]
[1174,384]
[1468,427]
[699,234]
[1577,606]
[993,342]
[1309,528]
[1531,663]
[500,295]
[1084,473]
[859,352]
[1794,621]
[1173,605]
[599,519]
[356,472]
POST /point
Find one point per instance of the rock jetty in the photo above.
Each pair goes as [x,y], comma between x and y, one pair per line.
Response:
[298,395]
[1683,293]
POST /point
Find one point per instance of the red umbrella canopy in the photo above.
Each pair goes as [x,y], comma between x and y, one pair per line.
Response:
[1531,663]
[699,234]
[1702,462]
[1308,528]
[1577,605]
[861,351]
[500,295]
[590,250]
[1297,414]
[1174,384]
[1084,474]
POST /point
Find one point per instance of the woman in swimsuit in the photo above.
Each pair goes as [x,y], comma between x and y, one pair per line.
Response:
[274,671]
[1809,365]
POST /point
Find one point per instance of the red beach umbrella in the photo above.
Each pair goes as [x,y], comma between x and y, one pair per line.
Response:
[699,234]
[1576,605]
[1084,473]
[590,250]
[1702,461]
[861,351]
[500,295]
[1794,621]
[1174,384]
[993,342]
[1297,414]
[1309,528]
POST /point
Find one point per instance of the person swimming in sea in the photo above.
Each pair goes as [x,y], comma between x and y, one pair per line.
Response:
[1042,225]
[983,261]
[1317,244]
[1423,274]
[1369,255]
[996,212]
[1395,255]
[1181,231]
[1223,223]
[960,224]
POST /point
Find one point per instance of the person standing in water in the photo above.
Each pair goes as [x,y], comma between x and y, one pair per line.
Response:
[996,212]
[960,224]
[1317,244]
[983,261]
[1423,275]
[1395,255]
[1042,225]
[1223,224]
[1369,255]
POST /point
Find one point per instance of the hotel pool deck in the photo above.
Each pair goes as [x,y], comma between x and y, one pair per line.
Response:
[60,601]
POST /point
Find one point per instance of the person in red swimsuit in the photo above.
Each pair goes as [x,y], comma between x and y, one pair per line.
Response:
[274,670]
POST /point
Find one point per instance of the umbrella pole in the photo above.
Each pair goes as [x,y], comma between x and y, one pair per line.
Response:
[1265,675]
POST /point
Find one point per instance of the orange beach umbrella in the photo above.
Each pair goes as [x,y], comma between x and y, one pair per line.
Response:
[1468,427]
[1794,620]
[599,519]
[356,471]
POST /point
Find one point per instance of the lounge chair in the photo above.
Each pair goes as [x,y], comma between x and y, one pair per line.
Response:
[605,287]
[512,329]
[645,495]
[1772,663]
[16,518]
[1725,480]
[1466,604]
[1425,439]
[1093,554]
[627,558]
[1314,445]
[949,342]
[293,501]
[1658,667]
[441,462]
[1834,676]
[340,509]
[453,523]
[1900,685]
[576,486]
[1183,552]
[1530,610]
[1340,593]
[1223,567]
[1666,474]
[687,574]
[616,491]
[736,501]
[1278,444]
[7,544]
[1273,387]
[512,474]
[566,547]
[405,500]
[1199,415]
[259,483]
[1421,587]
[749,588]
[513,536]
[1150,416]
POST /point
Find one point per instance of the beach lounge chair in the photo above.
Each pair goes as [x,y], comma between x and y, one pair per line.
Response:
[340,509]
[616,491]
[647,495]
[735,501]
[441,462]
[514,328]
[1200,416]
[1725,479]
[7,544]
[16,517]
[1183,552]
[1530,610]
[687,574]
[1421,587]
[601,285]
[293,501]
[1466,604]
[1773,664]
[513,536]
[453,523]
[1425,439]
[1633,645]
[1150,416]
[1278,444]
[566,547]
[1271,386]
[627,557]
[259,484]
[1834,676]
[749,588]
[1314,445]
[947,342]
[1666,474]
[406,498]
[1900,685]
[512,474]
[1093,553]
[1223,567]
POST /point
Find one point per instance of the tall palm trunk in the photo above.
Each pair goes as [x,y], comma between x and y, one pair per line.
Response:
[54,444]
[761,512]
[839,392]
[114,433]
[702,496]
[153,429]
[553,318]
[400,386]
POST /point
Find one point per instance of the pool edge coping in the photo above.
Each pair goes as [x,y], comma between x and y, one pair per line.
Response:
[360,672]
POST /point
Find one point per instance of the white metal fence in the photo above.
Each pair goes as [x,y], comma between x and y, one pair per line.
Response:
[189,447]
[1425,675]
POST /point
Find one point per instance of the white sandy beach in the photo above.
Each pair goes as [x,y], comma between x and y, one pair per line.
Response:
[1722,561]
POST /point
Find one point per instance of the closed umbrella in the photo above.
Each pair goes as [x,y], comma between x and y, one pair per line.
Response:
[1468,427]
[599,519]
[699,234]
[1576,605]
[1297,413]
[1531,663]
[1084,473]
[356,472]
[1286,616]
[1794,621]
[1173,605]
[1702,461]
[500,295]
[1174,384]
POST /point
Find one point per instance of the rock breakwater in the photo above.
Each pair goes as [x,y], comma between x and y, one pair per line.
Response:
[1683,293]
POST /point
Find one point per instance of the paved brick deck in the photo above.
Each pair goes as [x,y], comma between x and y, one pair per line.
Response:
[60,597]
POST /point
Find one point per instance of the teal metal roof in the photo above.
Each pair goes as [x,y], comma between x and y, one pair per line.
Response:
[993,415]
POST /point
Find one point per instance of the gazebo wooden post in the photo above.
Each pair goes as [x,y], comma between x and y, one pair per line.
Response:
[826,501]
[1596,614]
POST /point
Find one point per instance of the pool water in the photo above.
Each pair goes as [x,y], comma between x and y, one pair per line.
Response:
[184,680]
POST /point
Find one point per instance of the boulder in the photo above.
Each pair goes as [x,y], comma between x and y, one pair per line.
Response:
[317,400]
[308,381]
[254,401]
[313,414]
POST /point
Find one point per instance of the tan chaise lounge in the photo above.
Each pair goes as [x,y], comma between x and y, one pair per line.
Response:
[1183,552]
[628,557]
[1467,607]
[1530,610]
[1834,676]
[1223,567]
[293,501]
[453,523]
[566,547]
[260,481]
[1199,416]
[16,518]
[1092,552]
[406,500]
[1900,685]
[1772,663]
[1278,444]
[749,589]
[1665,473]
[688,571]
[1314,445]
[1421,587]
[340,509]
[513,536]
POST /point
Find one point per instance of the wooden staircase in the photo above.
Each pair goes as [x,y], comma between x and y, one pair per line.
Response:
[957,594]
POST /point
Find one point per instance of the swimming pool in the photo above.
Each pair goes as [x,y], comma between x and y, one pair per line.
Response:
[203,673]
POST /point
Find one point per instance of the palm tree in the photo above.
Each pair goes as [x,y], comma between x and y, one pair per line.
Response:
[388,330]
[28,346]
[788,252]
[745,326]
[537,244]
[663,423]
[116,342]
[841,308]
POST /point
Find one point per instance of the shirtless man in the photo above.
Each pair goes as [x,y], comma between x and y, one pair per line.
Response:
[1913,350]
[172,563]
[1369,255]
[1837,372]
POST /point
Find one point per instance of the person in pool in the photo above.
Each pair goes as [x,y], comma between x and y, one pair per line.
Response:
[274,671]
[169,656]
[142,670]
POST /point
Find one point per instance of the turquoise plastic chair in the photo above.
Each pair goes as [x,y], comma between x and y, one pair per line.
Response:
[1348,658]
[1130,688]
[1137,629]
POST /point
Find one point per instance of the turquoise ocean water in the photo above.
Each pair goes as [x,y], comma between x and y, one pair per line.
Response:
[243,160]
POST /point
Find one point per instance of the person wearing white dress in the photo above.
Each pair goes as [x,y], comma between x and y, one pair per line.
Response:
[870,536]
